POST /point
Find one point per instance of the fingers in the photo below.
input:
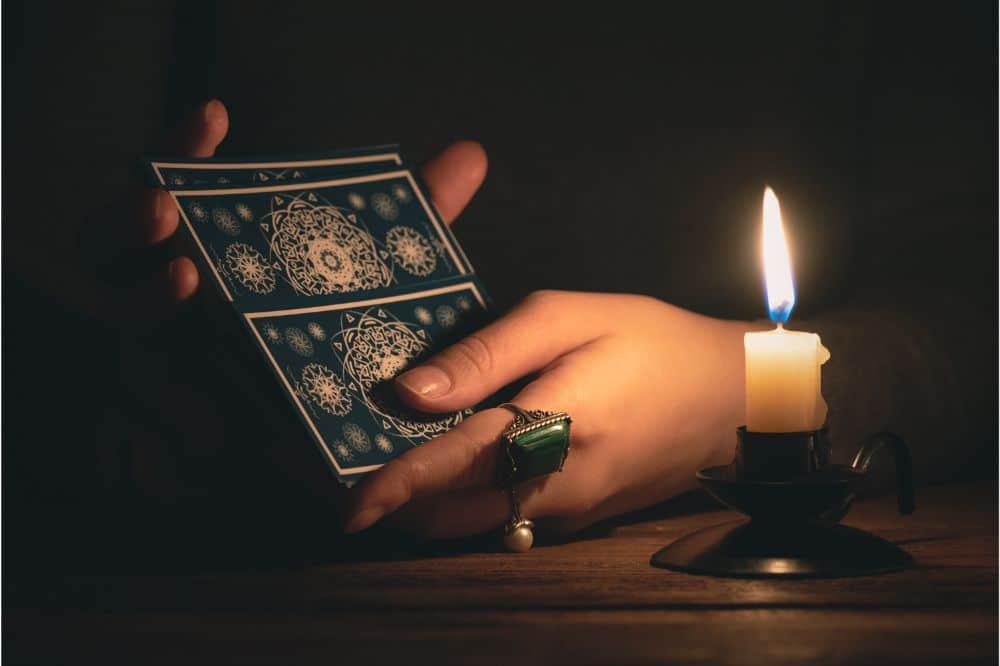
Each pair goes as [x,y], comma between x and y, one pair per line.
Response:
[455,514]
[156,219]
[559,501]
[202,132]
[465,458]
[150,297]
[542,328]
[199,136]
[454,176]
[461,458]
[181,281]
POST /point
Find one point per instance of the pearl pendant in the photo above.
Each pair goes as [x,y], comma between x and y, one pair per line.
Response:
[518,537]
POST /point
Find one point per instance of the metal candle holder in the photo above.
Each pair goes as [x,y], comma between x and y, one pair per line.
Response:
[795,499]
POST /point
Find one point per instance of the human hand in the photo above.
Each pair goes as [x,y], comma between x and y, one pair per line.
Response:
[654,392]
[204,400]
[452,177]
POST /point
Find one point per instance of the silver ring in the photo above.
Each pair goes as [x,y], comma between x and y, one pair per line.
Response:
[518,531]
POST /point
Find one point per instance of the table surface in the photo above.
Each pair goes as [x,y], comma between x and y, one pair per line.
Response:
[594,599]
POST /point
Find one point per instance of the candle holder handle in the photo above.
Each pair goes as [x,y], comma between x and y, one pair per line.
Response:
[904,466]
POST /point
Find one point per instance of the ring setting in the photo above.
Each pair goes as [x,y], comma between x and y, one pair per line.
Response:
[534,444]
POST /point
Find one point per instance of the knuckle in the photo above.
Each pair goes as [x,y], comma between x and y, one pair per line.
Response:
[474,351]
[542,298]
[407,475]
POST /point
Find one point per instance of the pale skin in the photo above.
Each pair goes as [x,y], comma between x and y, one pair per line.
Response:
[655,392]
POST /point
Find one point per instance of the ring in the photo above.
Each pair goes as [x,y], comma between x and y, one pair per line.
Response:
[535,444]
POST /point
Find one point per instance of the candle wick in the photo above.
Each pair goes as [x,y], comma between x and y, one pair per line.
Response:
[781,326]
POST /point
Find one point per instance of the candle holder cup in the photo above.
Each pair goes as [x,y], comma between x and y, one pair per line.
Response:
[795,499]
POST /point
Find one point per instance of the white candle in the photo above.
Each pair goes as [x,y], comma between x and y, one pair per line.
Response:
[783,391]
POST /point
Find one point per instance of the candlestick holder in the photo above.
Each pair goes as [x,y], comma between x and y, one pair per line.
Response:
[795,499]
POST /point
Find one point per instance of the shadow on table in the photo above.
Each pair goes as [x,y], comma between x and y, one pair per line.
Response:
[141,538]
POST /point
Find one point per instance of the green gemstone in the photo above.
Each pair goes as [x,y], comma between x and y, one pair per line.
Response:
[538,451]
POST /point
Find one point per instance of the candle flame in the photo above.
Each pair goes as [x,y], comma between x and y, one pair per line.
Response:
[777,265]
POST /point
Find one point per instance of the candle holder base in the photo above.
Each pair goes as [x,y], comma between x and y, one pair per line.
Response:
[793,530]
[745,549]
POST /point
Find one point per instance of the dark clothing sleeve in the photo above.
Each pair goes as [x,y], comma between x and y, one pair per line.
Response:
[915,342]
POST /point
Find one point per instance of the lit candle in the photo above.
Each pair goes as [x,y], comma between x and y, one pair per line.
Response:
[782,367]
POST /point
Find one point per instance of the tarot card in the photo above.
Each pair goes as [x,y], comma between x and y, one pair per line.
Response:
[336,364]
[228,173]
[322,242]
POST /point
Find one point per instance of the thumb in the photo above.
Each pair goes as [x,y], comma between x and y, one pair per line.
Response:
[542,328]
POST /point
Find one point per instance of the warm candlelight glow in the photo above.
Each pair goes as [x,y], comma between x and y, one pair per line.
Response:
[777,265]
[782,367]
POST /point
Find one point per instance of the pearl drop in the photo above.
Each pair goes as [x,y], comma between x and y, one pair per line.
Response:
[519,540]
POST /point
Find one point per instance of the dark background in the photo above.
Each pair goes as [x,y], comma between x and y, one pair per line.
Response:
[628,153]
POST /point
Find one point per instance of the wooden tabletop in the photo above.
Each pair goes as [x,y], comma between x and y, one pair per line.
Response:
[595,599]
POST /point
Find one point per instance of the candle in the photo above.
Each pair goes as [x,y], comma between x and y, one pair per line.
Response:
[783,392]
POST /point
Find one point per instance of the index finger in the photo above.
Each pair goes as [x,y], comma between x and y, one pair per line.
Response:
[462,457]
[157,217]
[454,175]
[202,131]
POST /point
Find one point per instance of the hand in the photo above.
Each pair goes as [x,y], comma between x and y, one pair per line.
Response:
[154,221]
[203,405]
[654,392]
[452,178]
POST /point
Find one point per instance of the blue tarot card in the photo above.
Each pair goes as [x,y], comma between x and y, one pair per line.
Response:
[281,246]
[180,174]
[337,362]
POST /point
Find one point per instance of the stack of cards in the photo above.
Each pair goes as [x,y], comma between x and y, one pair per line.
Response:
[344,275]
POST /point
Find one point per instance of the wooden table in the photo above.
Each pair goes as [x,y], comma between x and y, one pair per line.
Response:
[592,600]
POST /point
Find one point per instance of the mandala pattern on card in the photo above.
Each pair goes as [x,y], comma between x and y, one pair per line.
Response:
[323,249]
[463,303]
[271,333]
[401,193]
[197,211]
[356,437]
[385,206]
[423,315]
[248,267]
[383,443]
[226,222]
[356,201]
[325,389]
[342,451]
[374,348]
[446,316]
[411,251]
[298,341]
[243,212]
[317,332]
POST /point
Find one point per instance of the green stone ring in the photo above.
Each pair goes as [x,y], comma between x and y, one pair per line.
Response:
[535,444]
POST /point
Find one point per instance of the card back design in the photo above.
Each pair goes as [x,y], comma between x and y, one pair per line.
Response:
[345,236]
[337,363]
[343,281]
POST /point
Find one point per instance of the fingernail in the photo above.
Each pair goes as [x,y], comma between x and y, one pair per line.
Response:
[172,268]
[425,381]
[158,204]
[362,520]
[208,111]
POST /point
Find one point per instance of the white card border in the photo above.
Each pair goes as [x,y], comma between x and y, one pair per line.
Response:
[443,235]
[306,417]
[332,161]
